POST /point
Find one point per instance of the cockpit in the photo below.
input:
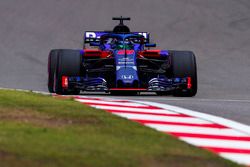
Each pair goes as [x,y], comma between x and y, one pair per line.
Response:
[118,42]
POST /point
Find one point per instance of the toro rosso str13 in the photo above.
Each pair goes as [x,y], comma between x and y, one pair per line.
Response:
[121,61]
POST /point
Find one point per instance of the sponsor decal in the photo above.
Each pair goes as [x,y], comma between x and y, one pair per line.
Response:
[127,76]
[122,52]
[95,35]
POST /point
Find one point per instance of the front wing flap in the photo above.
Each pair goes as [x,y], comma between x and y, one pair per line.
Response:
[154,85]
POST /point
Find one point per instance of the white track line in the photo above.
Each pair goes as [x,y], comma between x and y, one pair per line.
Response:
[203,100]
[237,157]
[133,109]
[162,118]
[222,121]
[111,103]
[196,130]
[217,143]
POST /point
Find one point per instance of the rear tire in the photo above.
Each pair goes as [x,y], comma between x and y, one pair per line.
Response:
[52,61]
[184,65]
[68,64]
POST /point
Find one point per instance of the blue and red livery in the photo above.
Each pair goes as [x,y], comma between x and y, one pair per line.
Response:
[121,61]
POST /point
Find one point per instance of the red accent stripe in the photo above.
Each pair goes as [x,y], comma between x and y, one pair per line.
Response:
[242,138]
[122,52]
[178,123]
[153,50]
[227,150]
[150,53]
[92,53]
[105,54]
[149,113]
[117,105]
[129,89]
[189,82]
[65,82]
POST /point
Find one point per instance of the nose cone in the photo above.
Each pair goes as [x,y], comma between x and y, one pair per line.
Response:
[126,69]
[127,81]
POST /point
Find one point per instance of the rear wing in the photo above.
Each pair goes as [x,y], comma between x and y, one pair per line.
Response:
[94,36]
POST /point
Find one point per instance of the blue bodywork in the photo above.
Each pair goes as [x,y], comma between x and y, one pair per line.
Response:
[124,50]
[126,68]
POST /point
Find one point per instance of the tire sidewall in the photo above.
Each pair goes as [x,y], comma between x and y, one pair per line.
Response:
[183,64]
[52,65]
[68,64]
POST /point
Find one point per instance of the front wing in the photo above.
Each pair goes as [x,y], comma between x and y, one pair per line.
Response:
[100,84]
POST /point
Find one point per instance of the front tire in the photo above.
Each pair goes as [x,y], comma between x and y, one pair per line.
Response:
[68,64]
[184,65]
[52,62]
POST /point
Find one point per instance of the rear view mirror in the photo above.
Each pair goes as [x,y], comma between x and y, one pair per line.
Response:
[150,45]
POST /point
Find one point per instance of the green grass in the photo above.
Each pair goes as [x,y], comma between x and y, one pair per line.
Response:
[38,130]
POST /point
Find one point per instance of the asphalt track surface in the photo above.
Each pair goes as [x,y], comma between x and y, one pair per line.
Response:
[218,31]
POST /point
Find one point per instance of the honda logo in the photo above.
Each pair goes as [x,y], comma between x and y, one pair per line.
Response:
[127,76]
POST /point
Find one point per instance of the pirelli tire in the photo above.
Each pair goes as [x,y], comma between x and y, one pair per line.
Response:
[68,64]
[52,62]
[183,64]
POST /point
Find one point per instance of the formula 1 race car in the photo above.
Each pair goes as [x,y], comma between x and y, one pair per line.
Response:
[120,61]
